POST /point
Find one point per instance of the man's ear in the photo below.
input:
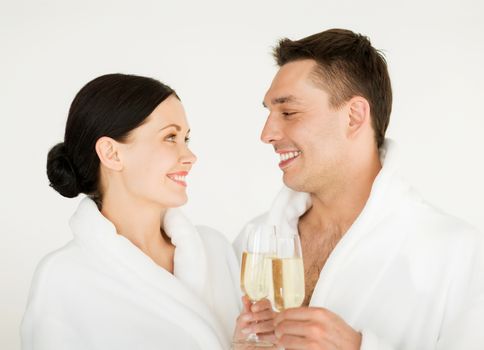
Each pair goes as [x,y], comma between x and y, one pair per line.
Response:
[107,151]
[359,115]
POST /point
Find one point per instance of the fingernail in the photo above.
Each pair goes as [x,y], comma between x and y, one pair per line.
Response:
[245,331]
[246,318]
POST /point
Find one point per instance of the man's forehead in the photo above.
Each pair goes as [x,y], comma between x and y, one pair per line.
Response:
[289,82]
[300,69]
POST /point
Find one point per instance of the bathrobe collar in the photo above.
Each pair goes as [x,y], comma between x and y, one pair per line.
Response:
[289,205]
[387,193]
[188,286]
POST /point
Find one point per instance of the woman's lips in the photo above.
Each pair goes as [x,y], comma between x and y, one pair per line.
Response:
[178,177]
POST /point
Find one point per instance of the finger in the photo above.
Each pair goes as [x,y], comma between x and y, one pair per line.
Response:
[268,338]
[243,347]
[263,315]
[307,329]
[244,320]
[292,342]
[304,314]
[246,303]
[263,304]
[262,327]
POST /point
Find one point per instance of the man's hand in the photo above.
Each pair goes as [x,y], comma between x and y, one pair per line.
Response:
[256,318]
[312,328]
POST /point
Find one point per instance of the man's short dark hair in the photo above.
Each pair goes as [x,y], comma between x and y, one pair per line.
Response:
[347,66]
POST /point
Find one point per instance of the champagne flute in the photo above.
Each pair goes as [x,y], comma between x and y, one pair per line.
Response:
[255,275]
[288,272]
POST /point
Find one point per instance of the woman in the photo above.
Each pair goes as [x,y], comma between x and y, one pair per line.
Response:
[136,274]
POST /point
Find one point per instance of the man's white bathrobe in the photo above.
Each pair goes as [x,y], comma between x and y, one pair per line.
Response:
[406,275]
[101,292]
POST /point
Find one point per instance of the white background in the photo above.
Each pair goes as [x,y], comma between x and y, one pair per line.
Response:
[217,57]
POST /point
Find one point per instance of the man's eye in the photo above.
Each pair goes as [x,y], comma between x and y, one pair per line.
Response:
[288,114]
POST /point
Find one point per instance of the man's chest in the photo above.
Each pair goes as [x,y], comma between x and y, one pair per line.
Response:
[316,248]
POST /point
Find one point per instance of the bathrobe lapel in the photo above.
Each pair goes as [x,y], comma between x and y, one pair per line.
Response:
[386,195]
[181,298]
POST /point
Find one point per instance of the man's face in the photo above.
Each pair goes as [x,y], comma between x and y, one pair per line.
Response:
[308,134]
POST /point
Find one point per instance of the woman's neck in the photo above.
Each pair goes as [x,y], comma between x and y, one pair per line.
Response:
[141,223]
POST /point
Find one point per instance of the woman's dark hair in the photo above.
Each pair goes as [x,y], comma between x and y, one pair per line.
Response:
[111,105]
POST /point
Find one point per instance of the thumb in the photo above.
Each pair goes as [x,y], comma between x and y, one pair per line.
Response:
[246,303]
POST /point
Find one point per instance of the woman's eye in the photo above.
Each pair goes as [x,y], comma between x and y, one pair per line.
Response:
[171,138]
[288,114]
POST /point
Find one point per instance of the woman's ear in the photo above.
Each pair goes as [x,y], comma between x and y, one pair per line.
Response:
[359,115]
[107,151]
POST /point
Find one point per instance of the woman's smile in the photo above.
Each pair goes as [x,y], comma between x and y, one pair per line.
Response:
[178,177]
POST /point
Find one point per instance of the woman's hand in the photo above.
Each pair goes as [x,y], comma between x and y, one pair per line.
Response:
[256,318]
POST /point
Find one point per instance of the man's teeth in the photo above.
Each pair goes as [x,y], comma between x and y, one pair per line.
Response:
[289,155]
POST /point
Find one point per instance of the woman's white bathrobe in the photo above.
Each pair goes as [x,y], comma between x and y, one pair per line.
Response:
[101,292]
[406,275]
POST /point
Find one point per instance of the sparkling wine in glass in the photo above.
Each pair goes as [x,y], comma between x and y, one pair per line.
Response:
[288,272]
[255,274]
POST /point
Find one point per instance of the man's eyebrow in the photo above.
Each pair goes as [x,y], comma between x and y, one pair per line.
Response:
[282,100]
[176,126]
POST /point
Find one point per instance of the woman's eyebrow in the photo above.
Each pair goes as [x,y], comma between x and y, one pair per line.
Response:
[176,126]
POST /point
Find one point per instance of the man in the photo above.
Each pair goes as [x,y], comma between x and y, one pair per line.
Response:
[383,269]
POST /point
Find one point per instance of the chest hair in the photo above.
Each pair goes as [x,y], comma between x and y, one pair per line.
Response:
[316,246]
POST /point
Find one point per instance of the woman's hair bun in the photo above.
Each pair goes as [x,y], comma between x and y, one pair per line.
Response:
[61,172]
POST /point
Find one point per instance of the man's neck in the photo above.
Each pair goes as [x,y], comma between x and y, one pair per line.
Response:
[337,211]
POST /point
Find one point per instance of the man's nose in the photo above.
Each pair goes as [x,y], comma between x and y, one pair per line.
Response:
[271,131]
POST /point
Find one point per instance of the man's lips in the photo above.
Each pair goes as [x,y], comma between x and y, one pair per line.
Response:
[287,157]
[178,177]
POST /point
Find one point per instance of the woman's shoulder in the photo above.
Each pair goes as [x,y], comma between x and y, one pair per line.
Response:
[55,268]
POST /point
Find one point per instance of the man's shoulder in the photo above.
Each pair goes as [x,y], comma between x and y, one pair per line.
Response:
[426,222]
[427,213]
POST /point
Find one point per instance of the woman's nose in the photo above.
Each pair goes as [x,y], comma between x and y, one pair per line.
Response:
[189,157]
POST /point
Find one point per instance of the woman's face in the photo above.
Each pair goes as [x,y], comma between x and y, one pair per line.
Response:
[156,157]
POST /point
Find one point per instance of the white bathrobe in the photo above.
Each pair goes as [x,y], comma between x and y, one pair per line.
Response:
[406,275]
[101,292]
